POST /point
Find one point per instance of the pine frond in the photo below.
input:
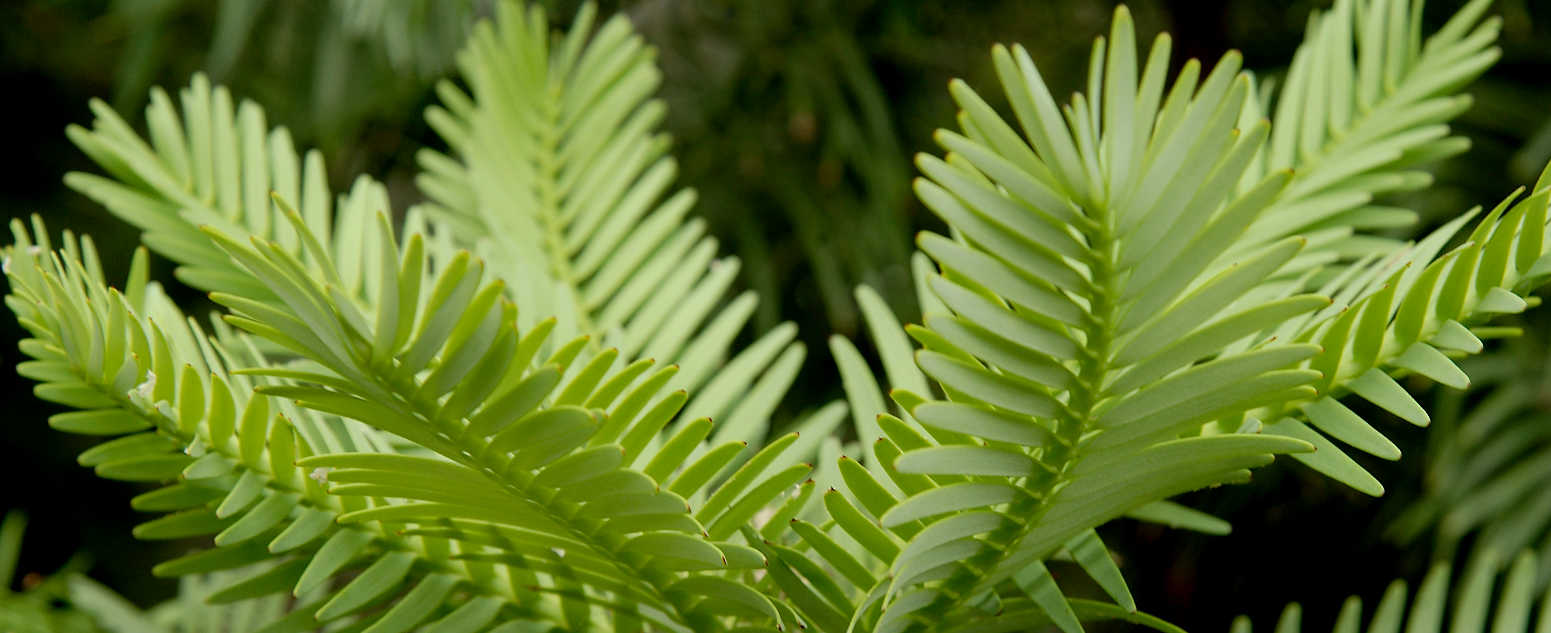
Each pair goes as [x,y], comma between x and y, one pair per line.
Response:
[216,165]
[181,415]
[1476,606]
[1103,341]
[1413,312]
[556,175]
[1361,112]
[562,474]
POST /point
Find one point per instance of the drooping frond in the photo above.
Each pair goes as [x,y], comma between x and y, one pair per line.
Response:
[1480,603]
[1103,343]
[533,470]
[556,175]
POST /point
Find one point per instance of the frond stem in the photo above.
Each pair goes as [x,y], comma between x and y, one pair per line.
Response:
[649,581]
[554,225]
[1003,543]
[381,536]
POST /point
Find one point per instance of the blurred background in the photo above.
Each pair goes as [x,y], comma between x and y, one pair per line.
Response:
[796,121]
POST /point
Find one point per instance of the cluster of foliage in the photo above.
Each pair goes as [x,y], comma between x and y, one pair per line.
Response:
[496,413]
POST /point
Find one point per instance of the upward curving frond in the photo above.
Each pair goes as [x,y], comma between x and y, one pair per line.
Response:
[217,165]
[559,467]
[1362,111]
[555,466]
[1103,342]
[1411,313]
[557,175]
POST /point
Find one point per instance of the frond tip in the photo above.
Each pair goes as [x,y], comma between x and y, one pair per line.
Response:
[1154,289]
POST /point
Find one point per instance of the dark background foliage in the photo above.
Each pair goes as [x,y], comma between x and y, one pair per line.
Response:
[796,121]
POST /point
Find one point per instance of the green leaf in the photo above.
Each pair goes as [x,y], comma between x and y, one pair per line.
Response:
[1000,390]
[267,514]
[1178,516]
[721,589]
[1035,580]
[1091,554]
[1377,387]
[951,498]
[335,553]
[416,605]
[1335,419]
[679,546]
[1426,360]
[1328,459]
[377,579]
[473,616]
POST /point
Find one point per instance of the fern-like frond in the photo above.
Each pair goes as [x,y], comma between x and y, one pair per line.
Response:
[169,394]
[633,275]
[562,473]
[1103,342]
[1409,313]
[556,174]
[216,165]
[426,350]
[1365,105]
[1037,443]
[1480,603]
[1361,112]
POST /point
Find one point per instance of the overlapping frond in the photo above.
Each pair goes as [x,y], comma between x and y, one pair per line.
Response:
[556,174]
[584,440]
[484,418]
[1480,602]
[562,473]
[1362,111]
[140,372]
[1411,313]
[1104,341]
[216,165]
[647,282]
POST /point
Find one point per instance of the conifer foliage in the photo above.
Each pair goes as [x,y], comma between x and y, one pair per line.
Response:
[518,406]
